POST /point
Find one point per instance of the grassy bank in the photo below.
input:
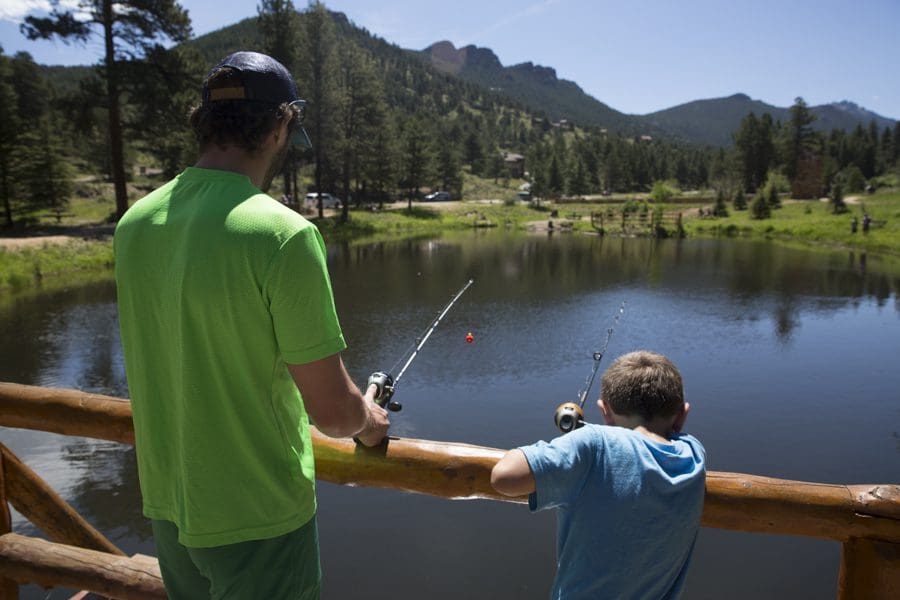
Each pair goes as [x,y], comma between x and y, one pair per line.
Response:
[797,222]
[29,266]
[814,223]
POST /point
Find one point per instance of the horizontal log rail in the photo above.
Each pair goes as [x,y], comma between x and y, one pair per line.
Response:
[30,560]
[460,471]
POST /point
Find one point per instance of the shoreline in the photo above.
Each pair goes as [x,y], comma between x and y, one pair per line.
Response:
[29,259]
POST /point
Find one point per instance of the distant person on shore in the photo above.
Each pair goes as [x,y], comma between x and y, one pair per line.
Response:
[854,224]
[867,222]
[232,346]
[629,493]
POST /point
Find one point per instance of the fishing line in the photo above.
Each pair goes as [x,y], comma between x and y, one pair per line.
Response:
[385,382]
[570,415]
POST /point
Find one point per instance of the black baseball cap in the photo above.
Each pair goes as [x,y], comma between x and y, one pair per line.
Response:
[260,78]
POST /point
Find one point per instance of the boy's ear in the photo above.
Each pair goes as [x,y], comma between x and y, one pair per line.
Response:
[608,416]
[678,423]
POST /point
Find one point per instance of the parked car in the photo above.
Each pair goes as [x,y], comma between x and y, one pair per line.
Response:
[328,200]
[438,197]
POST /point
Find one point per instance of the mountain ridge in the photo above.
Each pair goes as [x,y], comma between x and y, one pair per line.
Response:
[706,121]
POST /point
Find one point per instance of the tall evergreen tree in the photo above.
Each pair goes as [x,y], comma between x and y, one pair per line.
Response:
[739,200]
[9,133]
[279,25]
[417,159]
[43,173]
[319,67]
[755,148]
[799,136]
[360,112]
[130,28]
[162,88]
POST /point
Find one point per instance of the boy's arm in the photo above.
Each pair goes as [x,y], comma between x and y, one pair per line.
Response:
[512,475]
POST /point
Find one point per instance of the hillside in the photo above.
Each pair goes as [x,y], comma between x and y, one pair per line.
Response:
[712,121]
[444,78]
[707,122]
[534,86]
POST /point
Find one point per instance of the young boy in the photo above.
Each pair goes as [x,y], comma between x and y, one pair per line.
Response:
[629,493]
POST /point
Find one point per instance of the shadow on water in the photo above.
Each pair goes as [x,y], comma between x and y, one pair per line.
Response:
[771,342]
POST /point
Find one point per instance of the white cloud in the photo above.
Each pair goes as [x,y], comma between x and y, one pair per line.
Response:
[15,10]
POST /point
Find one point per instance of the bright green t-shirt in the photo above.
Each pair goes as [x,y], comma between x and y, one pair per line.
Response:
[219,288]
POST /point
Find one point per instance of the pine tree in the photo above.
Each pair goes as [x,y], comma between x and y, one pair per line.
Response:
[720,209]
[739,201]
[42,172]
[9,134]
[279,25]
[760,208]
[838,206]
[799,136]
[555,181]
[130,29]
[162,88]
[772,197]
[417,159]
[319,67]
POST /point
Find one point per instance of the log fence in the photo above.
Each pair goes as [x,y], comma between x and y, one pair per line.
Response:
[865,519]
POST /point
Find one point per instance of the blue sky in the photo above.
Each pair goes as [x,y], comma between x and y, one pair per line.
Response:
[637,56]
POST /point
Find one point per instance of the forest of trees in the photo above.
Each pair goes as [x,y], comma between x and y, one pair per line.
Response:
[384,124]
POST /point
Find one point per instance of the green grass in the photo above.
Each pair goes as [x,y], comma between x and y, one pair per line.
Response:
[807,223]
[814,223]
[28,267]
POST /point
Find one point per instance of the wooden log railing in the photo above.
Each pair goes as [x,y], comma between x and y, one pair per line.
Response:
[864,518]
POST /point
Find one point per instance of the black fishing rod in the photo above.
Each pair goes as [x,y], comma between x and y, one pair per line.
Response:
[385,382]
[569,415]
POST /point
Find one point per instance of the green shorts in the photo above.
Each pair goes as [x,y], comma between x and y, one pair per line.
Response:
[281,568]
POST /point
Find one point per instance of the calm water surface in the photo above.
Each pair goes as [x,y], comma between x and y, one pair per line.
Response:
[789,359]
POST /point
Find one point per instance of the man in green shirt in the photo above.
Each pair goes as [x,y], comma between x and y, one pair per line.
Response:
[232,345]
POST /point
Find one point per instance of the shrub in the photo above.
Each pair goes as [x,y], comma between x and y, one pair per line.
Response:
[720,209]
[772,197]
[759,208]
[838,206]
[739,201]
[661,192]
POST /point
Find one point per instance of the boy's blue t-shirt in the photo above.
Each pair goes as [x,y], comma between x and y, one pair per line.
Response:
[629,510]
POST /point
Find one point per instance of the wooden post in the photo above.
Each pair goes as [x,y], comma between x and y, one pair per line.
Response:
[41,505]
[9,589]
[870,570]
[30,560]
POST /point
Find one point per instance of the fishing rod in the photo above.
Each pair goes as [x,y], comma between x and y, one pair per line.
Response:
[569,415]
[385,382]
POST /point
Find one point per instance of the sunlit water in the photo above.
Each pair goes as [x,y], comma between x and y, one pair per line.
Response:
[789,359]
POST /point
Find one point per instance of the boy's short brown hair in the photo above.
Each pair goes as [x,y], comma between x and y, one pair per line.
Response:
[643,383]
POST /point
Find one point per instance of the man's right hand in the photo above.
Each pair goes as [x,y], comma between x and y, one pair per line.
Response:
[377,422]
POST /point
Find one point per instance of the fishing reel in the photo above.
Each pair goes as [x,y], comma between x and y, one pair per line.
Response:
[385,384]
[569,417]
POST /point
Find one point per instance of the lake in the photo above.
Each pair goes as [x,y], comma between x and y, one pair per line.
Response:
[789,359]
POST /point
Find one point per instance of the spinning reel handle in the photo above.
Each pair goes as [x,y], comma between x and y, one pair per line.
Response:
[384,383]
[569,417]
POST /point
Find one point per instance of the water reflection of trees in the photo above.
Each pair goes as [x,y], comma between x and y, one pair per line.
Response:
[758,276]
[107,492]
[70,338]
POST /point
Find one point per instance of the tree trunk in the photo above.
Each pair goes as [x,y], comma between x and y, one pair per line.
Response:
[115,119]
